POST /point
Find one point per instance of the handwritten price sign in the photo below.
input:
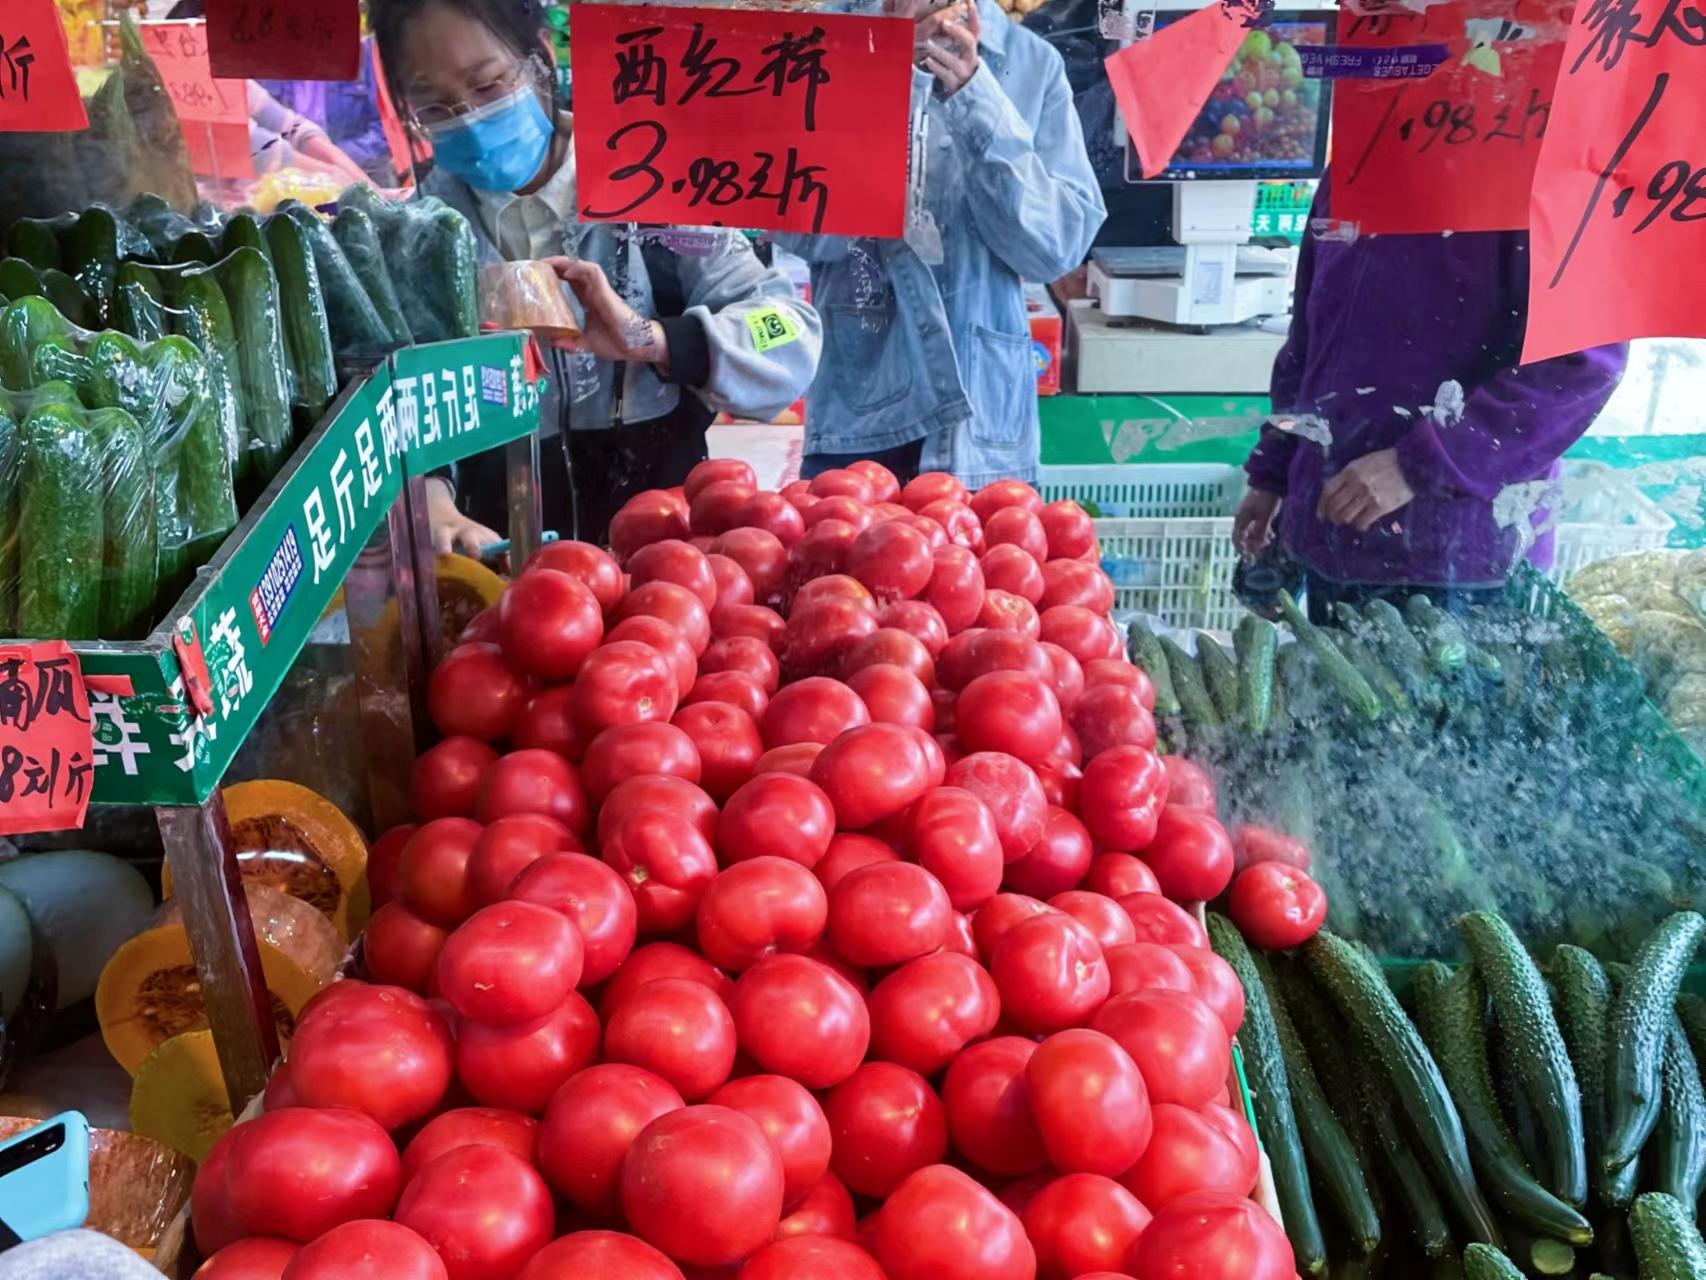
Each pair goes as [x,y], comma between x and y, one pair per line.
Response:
[1455,151]
[46,746]
[1618,243]
[285,39]
[214,112]
[38,89]
[789,122]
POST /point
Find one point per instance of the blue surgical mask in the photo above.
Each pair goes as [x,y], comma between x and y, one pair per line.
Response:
[497,147]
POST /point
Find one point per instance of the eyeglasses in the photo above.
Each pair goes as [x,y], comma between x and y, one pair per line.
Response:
[426,115]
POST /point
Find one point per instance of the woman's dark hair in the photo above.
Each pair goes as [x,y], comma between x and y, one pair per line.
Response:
[517,23]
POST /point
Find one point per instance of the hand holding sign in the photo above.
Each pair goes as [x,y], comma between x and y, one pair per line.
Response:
[46,745]
[38,89]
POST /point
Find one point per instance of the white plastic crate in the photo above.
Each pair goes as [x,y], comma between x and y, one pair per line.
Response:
[1148,490]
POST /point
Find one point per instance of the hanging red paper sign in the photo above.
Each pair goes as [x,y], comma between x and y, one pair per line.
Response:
[783,121]
[38,88]
[46,745]
[285,39]
[213,112]
[1160,84]
[1618,212]
[1455,151]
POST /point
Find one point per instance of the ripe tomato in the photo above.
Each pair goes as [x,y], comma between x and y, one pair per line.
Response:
[666,863]
[399,948]
[547,721]
[931,486]
[891,559]
[758,907]
[297,1173]
[590,1124]
[988,1106]
[671,644]
[1215,982]
[816,709]
[825,1210]
[1090,1102]
[1120,797]
[822,632]
[623,683]
[1154,919]
[1018,526]
[842,481]
[1190,855]
[929,1009]
[383,855]
[511,962]
[1070,530]
[746,654]
[893,695]
[716,507]
[799,1018]
[704,474]
[870,772]
[678,1029]
[953,837]
[547,624]
[810,1258]
[752,620]
[728,743]
[1004,493]
[484,1209]
[776,815]
[1087,636]
[257,1258]
[446,777]
[510,845]
[1112,715]
[1004,611]
[591,566]
[847,853]
[1060,780]
[451,1129]
[1117,874]
[1057,861]
[919,620]
[1010,711]
[836,588]
[649,516]
[762,551]
[519,1065]
[369,1249]
[632,750]
[890,646]
[1146,966]
[211,1220]
[824,547]
[1176,1040]
[1083,1223]
[995,917]
[658,792]
[956,587]
[1189,786]
[1101,915]
[1075,582]
[1276,906]
[474,692]
[673,560]
[1250,844]
[1188,1153]
[1010,791]
[1010,568]
[793,1121]
[379,1050]
[979,651]
[1067,679]
[888,1123]
[1212,1236]
[940,1225]
[884,486]
[704,1185]
[1120,671]
[663,960]
[599,1255]
[533,780]
[736,688]
[888,913]
[1050,973]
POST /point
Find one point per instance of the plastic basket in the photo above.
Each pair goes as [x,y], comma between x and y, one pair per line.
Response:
[1615,521]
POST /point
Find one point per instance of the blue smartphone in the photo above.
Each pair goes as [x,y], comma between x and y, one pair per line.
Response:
[44,1179]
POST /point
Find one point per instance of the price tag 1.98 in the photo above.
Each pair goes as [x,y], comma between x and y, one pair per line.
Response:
[47,746]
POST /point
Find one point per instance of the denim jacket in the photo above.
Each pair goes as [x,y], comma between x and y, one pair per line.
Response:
[943,353]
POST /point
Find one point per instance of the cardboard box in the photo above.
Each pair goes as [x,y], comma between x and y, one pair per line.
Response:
[1045,337]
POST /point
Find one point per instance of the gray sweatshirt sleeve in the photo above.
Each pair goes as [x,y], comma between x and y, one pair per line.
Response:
[74,1255]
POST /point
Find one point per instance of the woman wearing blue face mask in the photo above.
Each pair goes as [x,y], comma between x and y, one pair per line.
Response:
[667,333]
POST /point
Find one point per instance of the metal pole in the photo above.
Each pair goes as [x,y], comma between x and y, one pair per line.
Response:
[205,879]
[526,518]
[411,544]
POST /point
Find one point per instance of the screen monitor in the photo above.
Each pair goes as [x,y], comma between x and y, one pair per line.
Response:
[1264,119]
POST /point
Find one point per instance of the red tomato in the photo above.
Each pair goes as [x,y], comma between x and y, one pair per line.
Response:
[1010,568]
[892,559]
[1117,874]
[1057,861]
[1068,678]
[1004,611]
[382,1051]
[716,507]
[822,632]
[958,521]
[519,1065]
[816,709]
[484,1209]
[980,651]
[758,907]
[824,547]
[1060,780]
[1276,906]
[931,486]
[1176,1040]
[704,474]
[1009,789]
[753,620]
[1076,582]
[940,1225]
[1190,855]
[747,655]
[1083,1223]
[1188,785]
[890,646]
[511,962]
[1188,1153]
[1210,1236]
[888,913]
[884,486]
[917,619]
[671,645]
[811,1258]
[383,855]
[776,815]
[1087,636]
[840,480]
[297,1173]
[547,720]
[1050,973]
[548,622]
[733,687]
[369,1249]
[474,692]
[649,516]
[728,743]
[257,1258]
[870,772]
[446,777]
[211,1220]
[1101,915]
[510,845]
[995,917]
[793,1121]
[533,780]
[1120,797]
[656,791]
[893,695]
[839,588]
[847,853]
[591,1122]
[1112,715]
[1250,844]
[673,560]
[631,750]
[929,1009]
[678,1029]
[591,566]
[399,948]
[1018,526]
[1154,919]
[1120,671]
[664,859]
[1070,530]
[801,1019]
[988,1106]
[663,960]
[761,553]
[1146,966]
[953,837]
[1090,1102]
[825,1210]
[1010,711]
[599,1255]
[704,1185]
[887,1123]
[676,605]
[448,1130]
[1004,493]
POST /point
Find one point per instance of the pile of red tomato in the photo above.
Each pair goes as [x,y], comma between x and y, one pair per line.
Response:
[795,896]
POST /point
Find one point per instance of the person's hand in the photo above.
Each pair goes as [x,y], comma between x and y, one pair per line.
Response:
[610,328]
[1366,490]
[1253,525]
[947,46]
[452,532]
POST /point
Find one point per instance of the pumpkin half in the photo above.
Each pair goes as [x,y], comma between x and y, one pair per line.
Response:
[179,1095]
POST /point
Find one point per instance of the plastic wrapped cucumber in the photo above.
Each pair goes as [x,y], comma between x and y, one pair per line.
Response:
[129,533]
[59,526]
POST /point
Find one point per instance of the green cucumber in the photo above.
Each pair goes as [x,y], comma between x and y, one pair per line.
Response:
[1446,646]
[1405,1174]
[195,246]
[263,372]
[36,242]
[1270,1091]
[90,248]
[356,328]
[1146,652]
[1220,675]
[1692,1010]
[307,338]
[1667,1243]
[70,299]
[1358,988]
[59,527]
[1584,1007]
[11,443]
[1640,1021]
[1545,1074]
[1538,1255]
[130,536]
[1195,704]
[244,230]
[1382,680]
[1679,1141]
[18,279]
[354,231]
[1333,664]
[1483,1263]
[201,315]
[451,258]
[23,325]
[137,307]
[1256,642]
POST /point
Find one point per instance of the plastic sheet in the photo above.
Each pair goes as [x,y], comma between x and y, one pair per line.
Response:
[526,295]
[438,293]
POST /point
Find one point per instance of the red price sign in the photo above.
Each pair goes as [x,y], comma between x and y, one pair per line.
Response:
[213,111]
[285,39]
[1455,151]
[47,749]
[785,121]
[1618,212]
[38,88]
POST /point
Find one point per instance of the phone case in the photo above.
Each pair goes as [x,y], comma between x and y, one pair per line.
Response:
[44,1178]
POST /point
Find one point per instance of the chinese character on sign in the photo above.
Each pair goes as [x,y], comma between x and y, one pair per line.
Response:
[640,72]
[115,734]
[232,679]
[369,458]
[319,533]
[17,59]
[429,406]
[795,59]
[710,72]
[195,734]
[342,483]
[47,744]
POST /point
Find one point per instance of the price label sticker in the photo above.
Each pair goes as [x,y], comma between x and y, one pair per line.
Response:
[723,117]
[38,88]
[285,39]
[47,747]
[213,110]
